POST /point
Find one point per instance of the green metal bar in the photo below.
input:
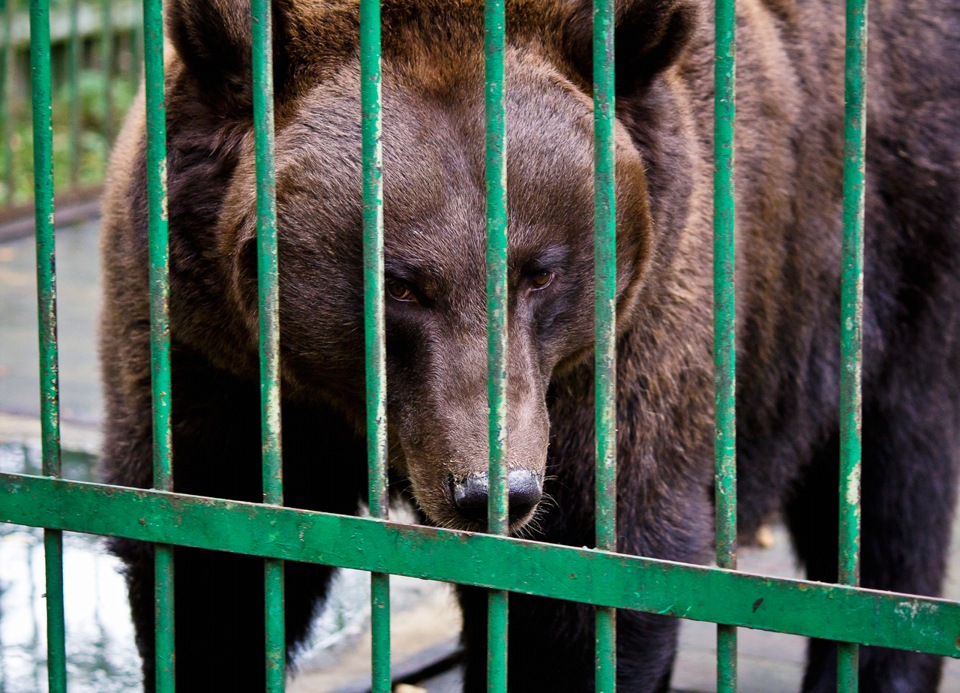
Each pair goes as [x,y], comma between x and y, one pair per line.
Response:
[724,320]
[106,60]
[496,184]
[269,302]
[700,593]
[498,609]
[159,254]
[605,360]
[267,264]
[47,316]
[273,572]
[374,327]
[73,88]
[159,332]
[56,628]
[605,249]
[164,618]
[6,12]
[380,681]
[851,321]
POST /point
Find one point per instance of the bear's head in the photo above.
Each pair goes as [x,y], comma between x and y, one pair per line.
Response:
[434,213]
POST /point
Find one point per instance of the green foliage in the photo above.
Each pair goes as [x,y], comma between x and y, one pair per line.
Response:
[98,104]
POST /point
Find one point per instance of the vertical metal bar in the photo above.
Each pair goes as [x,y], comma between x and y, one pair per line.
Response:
[106,60]
[73,88]
[136,44]
[269,301]
[605,358]
[496,183]
[6,106]
[159,331]
[47,314]
[374,330]
[10,57]
[851,321]
[724,338]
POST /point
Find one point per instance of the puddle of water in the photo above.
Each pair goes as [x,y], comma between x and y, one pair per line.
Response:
[101,654]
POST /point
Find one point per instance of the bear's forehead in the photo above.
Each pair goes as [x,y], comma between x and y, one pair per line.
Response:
[433,145]
[328,30]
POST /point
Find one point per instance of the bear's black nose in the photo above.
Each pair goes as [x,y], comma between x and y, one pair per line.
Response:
[471,493]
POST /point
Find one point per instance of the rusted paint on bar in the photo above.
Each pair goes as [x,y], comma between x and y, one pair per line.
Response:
[851,319]
[496,191]
[375,352]
[724,322]
[159,331]
[269,328]
[605,300]
[47,315]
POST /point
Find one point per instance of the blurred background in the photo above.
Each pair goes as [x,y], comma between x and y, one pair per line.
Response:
[96,65]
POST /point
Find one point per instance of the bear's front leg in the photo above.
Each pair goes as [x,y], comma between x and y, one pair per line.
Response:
[219,622]
[219,597]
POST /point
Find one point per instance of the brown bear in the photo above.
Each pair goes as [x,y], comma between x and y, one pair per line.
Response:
[789,160]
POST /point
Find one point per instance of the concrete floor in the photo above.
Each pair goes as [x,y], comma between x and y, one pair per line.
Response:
[78,301]
[769,663]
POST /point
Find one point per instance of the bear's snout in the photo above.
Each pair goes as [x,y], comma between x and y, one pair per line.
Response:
[470,495]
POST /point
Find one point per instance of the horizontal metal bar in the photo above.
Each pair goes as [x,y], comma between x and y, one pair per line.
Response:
[860,615]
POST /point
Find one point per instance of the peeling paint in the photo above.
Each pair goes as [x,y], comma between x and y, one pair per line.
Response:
[795,606]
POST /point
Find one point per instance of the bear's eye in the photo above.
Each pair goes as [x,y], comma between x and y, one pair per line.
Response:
[542,279]
[400,291]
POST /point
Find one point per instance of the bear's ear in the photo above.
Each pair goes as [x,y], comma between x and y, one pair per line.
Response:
[650,36]
[214,41]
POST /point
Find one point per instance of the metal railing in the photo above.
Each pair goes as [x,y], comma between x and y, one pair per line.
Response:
[600,576]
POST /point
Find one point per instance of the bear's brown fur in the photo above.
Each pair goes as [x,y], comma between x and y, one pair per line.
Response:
[789,160]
